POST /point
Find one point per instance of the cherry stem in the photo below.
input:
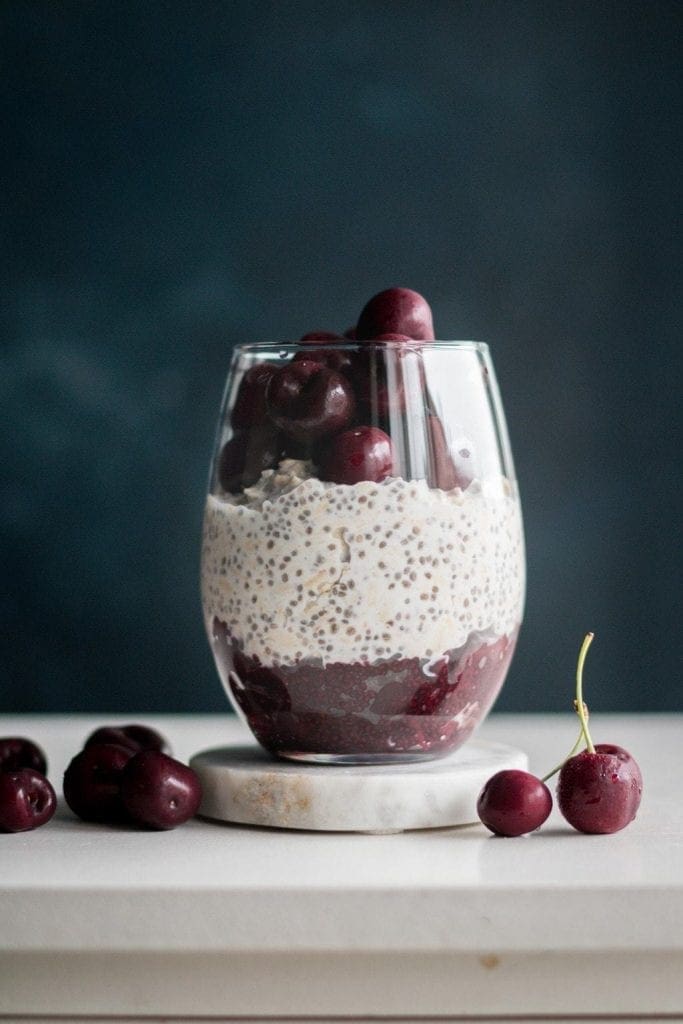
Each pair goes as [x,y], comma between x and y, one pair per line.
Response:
[581,710]
[570,754]
[580,707]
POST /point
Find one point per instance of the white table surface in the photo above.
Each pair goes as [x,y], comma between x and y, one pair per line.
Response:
[226,921]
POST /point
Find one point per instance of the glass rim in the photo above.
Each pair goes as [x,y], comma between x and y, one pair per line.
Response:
[351,344]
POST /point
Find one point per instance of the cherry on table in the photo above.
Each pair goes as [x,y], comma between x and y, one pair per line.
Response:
[159,792]
[146,737]
[136,737]
[18,752]
[362,453]
[249,409]
[599,792]
[396,311]
[599,789]
[92,782]
[307,399]
[27,800]
[514,802]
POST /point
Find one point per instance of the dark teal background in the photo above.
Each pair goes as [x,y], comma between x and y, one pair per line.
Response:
[183,176]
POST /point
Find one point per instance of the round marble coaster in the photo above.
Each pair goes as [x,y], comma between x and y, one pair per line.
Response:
[243,784]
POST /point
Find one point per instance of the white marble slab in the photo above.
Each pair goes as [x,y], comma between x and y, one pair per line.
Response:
[242,784]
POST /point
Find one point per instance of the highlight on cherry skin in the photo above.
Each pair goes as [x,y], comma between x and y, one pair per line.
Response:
[599,789]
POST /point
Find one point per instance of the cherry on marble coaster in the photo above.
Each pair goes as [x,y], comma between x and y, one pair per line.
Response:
[243,784]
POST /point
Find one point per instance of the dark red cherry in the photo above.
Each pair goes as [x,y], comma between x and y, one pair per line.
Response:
[396,311]
[146,737]
[338,360]
[112,734]
[600,793]
[308,400]
[245,456]
[362,453]
[92,782]
[27,800]
[137,737]
[158,791]
[17,752]
[513,803]
[314,336]
[249,409]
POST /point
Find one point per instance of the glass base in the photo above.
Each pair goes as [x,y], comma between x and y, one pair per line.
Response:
[359,759]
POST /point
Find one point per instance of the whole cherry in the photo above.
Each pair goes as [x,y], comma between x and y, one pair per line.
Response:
[17,752]
[308,400]
[599,789]
[361,453]
[514,802]
[27,800]
[396,311]
[249,409]
[137,737]
[92,782]
[159,792]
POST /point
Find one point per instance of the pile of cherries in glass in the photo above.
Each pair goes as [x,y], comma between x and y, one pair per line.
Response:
[598,791]
[124,774]
[330,404]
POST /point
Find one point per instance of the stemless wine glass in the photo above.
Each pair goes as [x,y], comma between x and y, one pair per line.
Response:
[363,556]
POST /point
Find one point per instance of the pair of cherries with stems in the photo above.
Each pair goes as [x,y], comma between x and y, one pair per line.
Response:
[598,789]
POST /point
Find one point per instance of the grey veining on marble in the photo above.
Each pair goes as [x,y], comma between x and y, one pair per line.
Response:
[242,784]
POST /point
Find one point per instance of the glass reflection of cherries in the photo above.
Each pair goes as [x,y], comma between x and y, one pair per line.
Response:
[598,791]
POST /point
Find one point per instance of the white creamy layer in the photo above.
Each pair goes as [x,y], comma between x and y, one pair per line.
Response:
[298,568]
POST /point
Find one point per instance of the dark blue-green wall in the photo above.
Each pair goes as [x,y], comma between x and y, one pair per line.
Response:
[180,176]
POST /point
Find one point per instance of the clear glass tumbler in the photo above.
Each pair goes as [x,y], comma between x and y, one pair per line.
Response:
[363,565]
